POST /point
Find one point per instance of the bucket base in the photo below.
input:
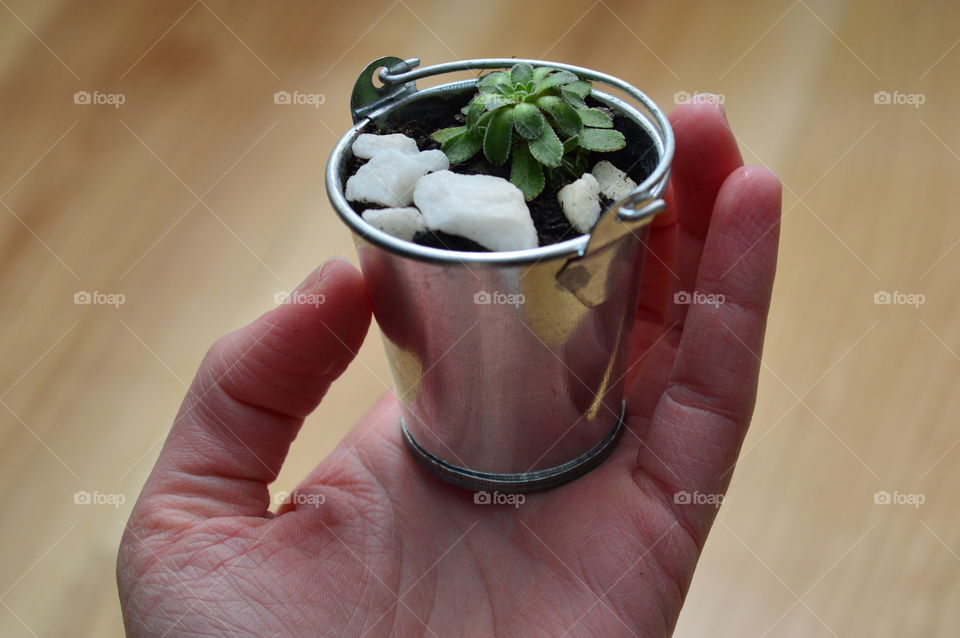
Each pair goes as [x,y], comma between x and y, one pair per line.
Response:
[515,483]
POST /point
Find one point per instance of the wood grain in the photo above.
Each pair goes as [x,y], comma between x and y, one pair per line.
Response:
[199,198]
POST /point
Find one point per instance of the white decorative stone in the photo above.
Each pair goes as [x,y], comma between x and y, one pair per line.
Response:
[435,160]
[489,210]
[367,145]
[614,183]
[402,223]
[389,177]
[580,201]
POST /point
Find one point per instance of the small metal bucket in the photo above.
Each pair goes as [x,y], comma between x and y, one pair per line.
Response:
[509,366]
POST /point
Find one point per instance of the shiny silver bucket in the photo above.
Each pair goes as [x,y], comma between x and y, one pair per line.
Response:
[509,366]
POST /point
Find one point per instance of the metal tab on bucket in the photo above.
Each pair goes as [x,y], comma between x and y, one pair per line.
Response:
[368,97]
[587,276]
[516,396]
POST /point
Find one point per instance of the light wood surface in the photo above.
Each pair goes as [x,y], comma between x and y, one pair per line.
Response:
[199,198]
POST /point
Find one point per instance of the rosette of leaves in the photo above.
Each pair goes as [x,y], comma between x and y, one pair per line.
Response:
[536,119]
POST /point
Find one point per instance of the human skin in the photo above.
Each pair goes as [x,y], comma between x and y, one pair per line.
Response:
[393,551]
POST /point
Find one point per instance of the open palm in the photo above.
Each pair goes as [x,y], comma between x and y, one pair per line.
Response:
[371,545]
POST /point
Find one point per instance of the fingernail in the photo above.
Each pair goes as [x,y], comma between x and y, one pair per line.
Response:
[316,275]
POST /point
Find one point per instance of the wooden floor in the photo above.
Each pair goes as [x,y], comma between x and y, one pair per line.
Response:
[197,199]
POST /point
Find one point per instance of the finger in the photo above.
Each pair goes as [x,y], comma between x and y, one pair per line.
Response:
[706,153]
[656,259]
[702,417]
[649,361]
[251,394]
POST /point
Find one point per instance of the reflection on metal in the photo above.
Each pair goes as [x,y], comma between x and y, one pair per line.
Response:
[509,366]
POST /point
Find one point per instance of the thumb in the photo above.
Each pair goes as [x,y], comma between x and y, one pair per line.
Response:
[251,394]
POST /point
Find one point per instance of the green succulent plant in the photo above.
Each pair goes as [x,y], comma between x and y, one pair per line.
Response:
[536,119]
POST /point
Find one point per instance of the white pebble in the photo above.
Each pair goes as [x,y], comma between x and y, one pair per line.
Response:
[367,145]
[580,201]
[402,223]
[613,182]
[435,160]
[389,177]
[489,210]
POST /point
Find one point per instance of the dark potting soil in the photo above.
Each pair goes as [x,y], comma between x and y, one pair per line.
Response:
[637,159]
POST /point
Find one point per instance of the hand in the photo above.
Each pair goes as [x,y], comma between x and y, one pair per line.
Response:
[392,551]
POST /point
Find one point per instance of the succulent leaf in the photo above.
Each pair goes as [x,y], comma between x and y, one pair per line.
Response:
[528,120]
[603,140]
[553,80]
[445,134]
[564,116]
[474,110]
[499,135]
[547,149]
[521,73]
[491,81]
[462,147]
[595,117]
[580,88]
[526,172]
